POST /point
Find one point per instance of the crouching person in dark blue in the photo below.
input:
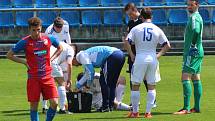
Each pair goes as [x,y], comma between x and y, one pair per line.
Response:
[111,61]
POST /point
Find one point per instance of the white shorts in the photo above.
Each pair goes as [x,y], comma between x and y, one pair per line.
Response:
[149,70]
[56,70]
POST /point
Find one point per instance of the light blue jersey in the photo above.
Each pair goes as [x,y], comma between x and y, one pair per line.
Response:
[91,58]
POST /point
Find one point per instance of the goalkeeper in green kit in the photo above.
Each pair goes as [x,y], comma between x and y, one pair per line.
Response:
[192,59]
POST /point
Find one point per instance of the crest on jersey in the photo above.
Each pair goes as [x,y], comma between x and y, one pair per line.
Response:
[45,42]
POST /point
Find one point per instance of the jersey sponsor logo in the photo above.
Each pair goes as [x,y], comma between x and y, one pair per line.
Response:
[40,52]
[45,42]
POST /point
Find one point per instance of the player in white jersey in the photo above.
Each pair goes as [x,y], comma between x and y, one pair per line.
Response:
[145,37]
[95,89]
[62,67]
[60,30]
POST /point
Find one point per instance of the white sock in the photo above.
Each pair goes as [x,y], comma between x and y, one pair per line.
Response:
[44,102]
[123,106]
[135,98]
[150,100]
[120,92]
[62,95]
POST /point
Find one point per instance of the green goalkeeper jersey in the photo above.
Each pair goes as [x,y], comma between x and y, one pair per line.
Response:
[193,34]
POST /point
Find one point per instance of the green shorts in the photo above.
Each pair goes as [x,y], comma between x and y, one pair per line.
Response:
[192,65]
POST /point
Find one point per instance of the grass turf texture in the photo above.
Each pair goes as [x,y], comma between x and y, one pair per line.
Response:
[14,105]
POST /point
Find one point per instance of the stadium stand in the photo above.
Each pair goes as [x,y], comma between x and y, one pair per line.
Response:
[72,17]
[137,2]
[47,17]
[45,3]
[107,3]
[213,18]
[88,3]
[154,2]
[160,17]
[67,3]
[177,16]
[5,4]
[6,19]
[23,3]
[211,2]
[205,16]
[22,18]
[113,17]
[91,18]
[175,2]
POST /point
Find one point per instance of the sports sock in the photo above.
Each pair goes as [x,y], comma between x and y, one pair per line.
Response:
[150,100]
[50,114]
[197,93]
[135,98]
[123,106]
[62,95]
[187,91]
[119,92]
[44,104]
[34,115]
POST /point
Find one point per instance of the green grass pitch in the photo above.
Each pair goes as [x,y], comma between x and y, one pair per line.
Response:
[14,105]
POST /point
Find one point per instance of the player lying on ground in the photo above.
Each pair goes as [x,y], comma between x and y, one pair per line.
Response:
[95,89]
[145,37]
[37,50]
[62,69]
[110,60]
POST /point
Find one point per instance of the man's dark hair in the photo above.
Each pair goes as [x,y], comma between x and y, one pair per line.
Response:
[34,21]
[58,22]
[146,13]
[130,6]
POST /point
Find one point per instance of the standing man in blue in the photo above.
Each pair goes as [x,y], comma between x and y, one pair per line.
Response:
[111,61]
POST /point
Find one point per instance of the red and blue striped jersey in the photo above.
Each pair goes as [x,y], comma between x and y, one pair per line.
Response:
[37,54]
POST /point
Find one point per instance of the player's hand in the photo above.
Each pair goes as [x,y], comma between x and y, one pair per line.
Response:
[132,57]
[85,89]
[193,51]
[68,85]
[76,90]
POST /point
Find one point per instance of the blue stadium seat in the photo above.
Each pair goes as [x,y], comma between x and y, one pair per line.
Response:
[22,18]
[107,3]
[213,18]
[205,16]
[45,3]
[91,18]
[153,2]
[159,17]
[72,17]
[211,2]
[67,3]
[203,2]
[23,3]
[6,19]
[175,2]
[47,17]
[5,4]
[88,3]
[137,2]
[178,17]
[113,17]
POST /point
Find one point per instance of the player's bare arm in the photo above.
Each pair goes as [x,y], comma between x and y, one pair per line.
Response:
[57,52]
[164,49]
[128,48]
[11,56]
